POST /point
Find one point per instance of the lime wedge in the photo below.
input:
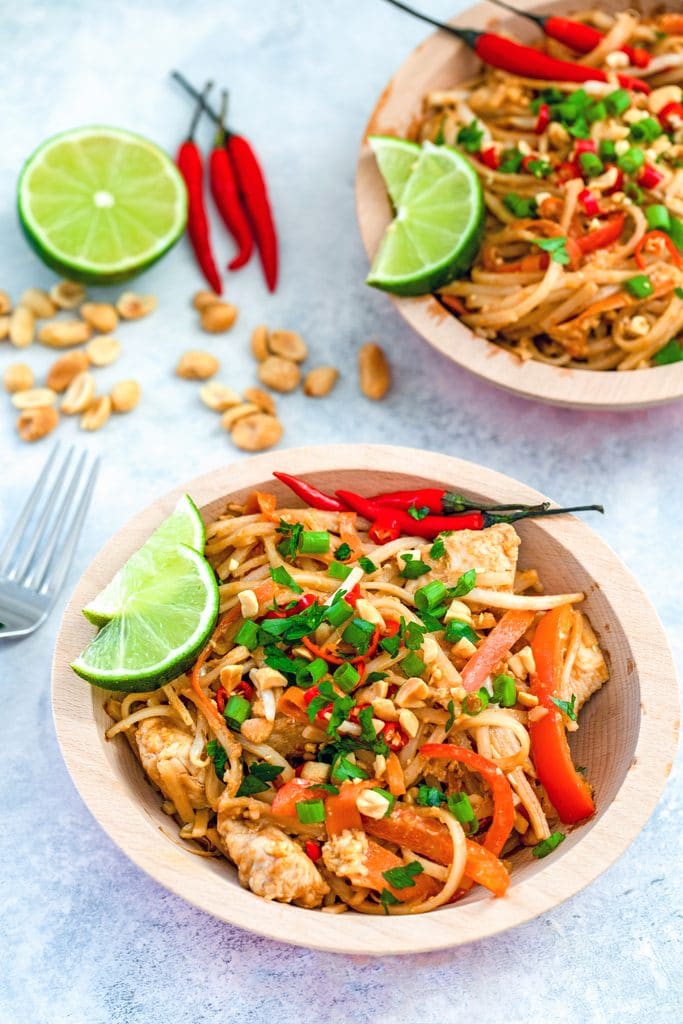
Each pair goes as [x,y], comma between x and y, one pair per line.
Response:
[183,526]
[436,233]
[396,159]
[100,204]
[167,619]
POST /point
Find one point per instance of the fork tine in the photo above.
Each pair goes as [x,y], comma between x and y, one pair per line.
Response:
[47,522]
[43,579]
[24,516]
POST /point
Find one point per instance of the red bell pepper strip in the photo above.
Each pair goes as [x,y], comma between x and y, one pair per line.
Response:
[602,237]
[497,644]
[191,167]
[310,494]
[568,792]
[501,791]
[226,194]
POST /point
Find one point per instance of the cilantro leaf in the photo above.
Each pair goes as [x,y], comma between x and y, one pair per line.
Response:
[387,899]
[438,549]
[219,757]
[402,876]
[251,785]
[429,796]
[418,513]
[566,705]
[671,353]
[367,733]
[343,552]
[291,533]
[280,575]
[451,716]
[266,772]
[557,247]
[470,137]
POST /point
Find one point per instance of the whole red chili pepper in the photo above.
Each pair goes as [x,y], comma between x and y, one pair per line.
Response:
[191,166]
[310,494]
[226,194]
[443,502]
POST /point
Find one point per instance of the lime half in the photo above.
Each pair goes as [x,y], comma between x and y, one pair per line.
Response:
[167,619]
[183,526]
[396,159]
[437,230]
[101,204]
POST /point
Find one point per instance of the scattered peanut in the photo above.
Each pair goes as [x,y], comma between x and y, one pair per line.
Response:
[259,343]
[5,303]
[22,327]
[36,423]
[33,398]
[100,315]
[125,395]
[279,374]
[320,381]
[64,333]
[39,302]
[97,413]
[4,327]
[262,399]
[204,298]
[18,377]
[288,344]
[103,350]
[79,395]
[67,294]
[197,365]
[237,412]
[218,317]
[255,433]
[374,372]
[256,730]
[132,307]
[63,371]
[218,397]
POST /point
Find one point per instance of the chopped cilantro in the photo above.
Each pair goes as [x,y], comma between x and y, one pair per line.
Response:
[402,877]
[557,247]
[566,705]
[418,513]
[291,533]
[280,575]
[387,899]
[671,353]
[470,137]
[343,552]
[438,549]
[218,756]
[451,716]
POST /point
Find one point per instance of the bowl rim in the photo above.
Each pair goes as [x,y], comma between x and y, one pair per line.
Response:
[586,389]
[119,814]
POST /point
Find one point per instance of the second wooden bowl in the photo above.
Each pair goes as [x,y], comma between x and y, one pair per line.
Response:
[626,739]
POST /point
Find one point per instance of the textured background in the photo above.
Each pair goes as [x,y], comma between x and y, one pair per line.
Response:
[84,935]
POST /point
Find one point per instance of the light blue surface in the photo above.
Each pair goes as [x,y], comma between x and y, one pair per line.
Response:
[84,935]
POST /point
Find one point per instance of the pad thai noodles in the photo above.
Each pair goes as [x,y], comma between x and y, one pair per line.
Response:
[581,261]
[375,724]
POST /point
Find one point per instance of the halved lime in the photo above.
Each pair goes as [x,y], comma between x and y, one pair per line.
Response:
[100,204]
[165,622]
[396,159]
[183,526]
[437,230]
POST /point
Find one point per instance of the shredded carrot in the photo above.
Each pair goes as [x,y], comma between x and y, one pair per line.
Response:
[292,704]
[348,534]
[504,634]
[394,774]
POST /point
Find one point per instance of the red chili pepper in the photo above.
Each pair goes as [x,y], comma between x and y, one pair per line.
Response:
[191,166]
[567,170]
[254,194]
[669,111]
[589,203]
[385,528]
[650,177]
[245,688]
[353,595]
[584,146]
[312,850]
[443,502]
[226,194]
[394,736]
[660,238]
[618,185]
[221,698]
[543,119]
[310,494]
[285,613]
[602,237]
[639,57]
[490,158]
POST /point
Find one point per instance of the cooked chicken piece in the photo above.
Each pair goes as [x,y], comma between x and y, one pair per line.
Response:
[270,863]
[493,550]
[286,736]
[165,754]
[345,854]
[589,670]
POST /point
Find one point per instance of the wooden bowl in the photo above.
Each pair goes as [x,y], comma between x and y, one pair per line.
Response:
[626,739]
[439,63]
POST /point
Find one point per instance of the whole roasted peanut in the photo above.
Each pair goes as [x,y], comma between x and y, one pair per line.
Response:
[64,333]
[4,327]
[279,374]
[238,412]
[374,372]
[204,298]
[125,395]
[288,344]
[79,395]
[218,317]
[36,423]
[22,327]
[132,307]
[103,350]
[67,294]
[262,399]
[218,397]
[197,365]
[18,377]
[39,302]
[255,433]
[33,398]
[101,316]
[97,413]
[63,371]
[320,381]
[5,303]
[259,343]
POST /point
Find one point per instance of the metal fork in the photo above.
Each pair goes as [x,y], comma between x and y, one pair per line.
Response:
[39,550]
